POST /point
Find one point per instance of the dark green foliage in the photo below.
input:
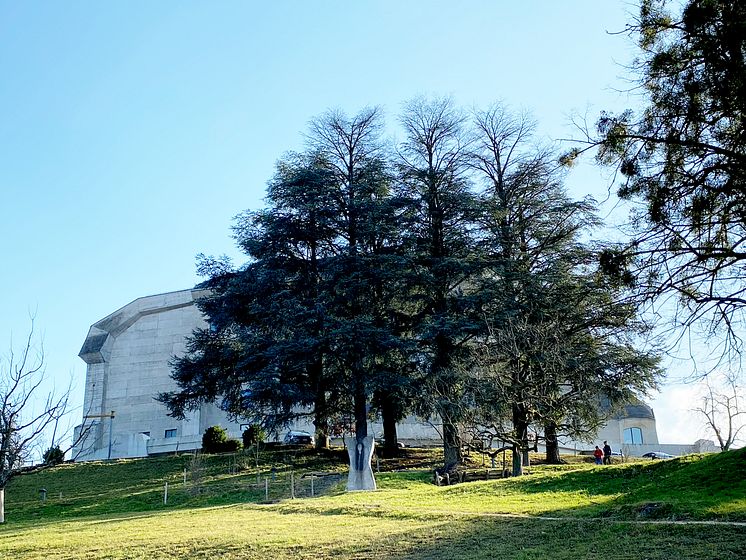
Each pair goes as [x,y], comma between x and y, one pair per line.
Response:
[232,445]
[448,280]
[53,456]
[253,435]
[215,440]
[560,335]
[440,236]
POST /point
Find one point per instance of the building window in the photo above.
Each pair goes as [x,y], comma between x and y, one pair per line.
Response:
[147,434]
[170,433]
[632,436]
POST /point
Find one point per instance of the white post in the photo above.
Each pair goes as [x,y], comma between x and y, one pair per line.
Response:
[165,494]
[266,489]
[312,494]
[184,477]
[292,485]
[2,505]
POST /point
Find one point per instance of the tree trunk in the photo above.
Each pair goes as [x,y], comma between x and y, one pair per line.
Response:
[390,439]
[321,421]
[552,444]
[451,444]
[520,425]
[517,461]
[2,505]
[361,411]
[322,435]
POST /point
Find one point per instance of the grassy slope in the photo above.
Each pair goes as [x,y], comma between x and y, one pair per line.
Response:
[115,510]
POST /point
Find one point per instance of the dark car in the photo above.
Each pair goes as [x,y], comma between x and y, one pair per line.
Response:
[658,455]
[298,438]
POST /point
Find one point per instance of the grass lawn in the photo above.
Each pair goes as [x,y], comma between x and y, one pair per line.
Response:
[116,510]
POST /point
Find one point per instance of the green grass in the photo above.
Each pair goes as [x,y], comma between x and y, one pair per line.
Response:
[115,510]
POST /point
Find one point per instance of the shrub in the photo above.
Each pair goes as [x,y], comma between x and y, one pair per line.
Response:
[53,456]
[252,435]
[215,440]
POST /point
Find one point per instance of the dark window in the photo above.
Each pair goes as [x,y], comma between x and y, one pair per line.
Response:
[170,433]
[145,433]
[632,436]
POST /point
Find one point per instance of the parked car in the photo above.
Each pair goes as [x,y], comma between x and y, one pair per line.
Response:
[298,438]
[658,455]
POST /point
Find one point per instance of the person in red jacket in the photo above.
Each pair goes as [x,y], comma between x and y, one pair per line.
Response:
[598,454]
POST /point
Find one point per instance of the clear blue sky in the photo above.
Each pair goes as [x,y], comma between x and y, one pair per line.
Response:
[132,132]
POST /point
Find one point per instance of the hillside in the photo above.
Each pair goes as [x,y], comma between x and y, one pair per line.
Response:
[221,510]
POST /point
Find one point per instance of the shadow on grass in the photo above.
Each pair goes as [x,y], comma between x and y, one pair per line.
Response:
[690,487]
[570,540]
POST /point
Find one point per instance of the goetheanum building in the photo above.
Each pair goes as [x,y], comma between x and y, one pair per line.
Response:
[128,354]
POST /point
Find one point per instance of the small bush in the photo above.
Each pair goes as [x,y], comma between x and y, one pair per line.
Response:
[215,440]
[252,435]
[53,456]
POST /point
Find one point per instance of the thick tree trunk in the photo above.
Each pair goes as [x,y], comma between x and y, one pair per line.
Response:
[321,434]
[520,450]
[526,458]
[517,461]
[320,412]
[552,444]
[361,411]
[390,439]
[451,444]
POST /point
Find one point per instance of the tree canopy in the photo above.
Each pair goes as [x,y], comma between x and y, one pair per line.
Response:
[448,276]
[682,159]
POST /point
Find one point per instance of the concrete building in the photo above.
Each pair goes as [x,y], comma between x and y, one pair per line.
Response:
[128,355]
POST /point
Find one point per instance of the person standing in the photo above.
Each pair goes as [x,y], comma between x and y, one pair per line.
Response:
[607,453]
[597,454]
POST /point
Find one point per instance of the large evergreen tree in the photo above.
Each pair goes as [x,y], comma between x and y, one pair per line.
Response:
[553,322]
[433,175]
[398,287]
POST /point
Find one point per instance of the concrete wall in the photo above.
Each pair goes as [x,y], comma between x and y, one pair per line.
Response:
[128,355]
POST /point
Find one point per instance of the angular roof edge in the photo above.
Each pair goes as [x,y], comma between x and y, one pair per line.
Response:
[114,324]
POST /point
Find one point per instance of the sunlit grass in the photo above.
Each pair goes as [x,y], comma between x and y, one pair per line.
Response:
[248,531]
[116,510]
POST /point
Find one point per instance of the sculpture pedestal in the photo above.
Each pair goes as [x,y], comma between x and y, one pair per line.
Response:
[361,471]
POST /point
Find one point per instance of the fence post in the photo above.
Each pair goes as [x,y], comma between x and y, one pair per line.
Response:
[266,489]
[312,493]
[292,485]
[165,494]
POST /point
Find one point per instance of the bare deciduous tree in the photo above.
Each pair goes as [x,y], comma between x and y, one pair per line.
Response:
[722,410]
[30,416]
